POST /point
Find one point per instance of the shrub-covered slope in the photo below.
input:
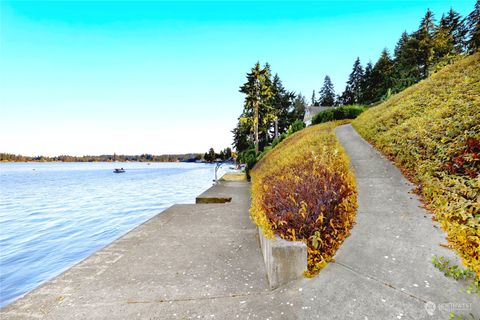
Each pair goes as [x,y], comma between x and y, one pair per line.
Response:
[303,190]
[432,131]
[338,113]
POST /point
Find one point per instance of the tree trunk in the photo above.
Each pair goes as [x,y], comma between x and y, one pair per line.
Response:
[256,127]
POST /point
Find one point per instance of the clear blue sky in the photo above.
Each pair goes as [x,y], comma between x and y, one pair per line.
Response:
[162,77]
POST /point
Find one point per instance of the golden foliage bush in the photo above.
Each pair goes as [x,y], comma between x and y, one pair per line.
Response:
[304,190]
[432,131]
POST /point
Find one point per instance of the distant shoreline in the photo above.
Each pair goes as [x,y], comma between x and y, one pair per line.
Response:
[95,161]
[187,157]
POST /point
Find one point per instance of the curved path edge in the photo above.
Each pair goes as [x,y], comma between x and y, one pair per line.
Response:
[385,266]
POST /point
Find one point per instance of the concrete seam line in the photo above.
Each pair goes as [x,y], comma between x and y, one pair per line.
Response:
[25,314]
[201,298]
[379,281]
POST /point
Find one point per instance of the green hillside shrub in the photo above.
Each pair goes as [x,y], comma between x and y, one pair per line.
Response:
[339,113]
[297,125]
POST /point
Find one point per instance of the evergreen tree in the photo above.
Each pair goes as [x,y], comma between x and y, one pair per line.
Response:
[257,108]
[449,36]
[242,138]
[473,26]
[338,100]
[407,71]
[401,44]
[367,88]
[269,109]
[443,40]
[352,93]
[383,75]
[282,104]
[456,30]
[228,153]
[327,93]
[299,105]
[210,156]
[425,41]
[314,99]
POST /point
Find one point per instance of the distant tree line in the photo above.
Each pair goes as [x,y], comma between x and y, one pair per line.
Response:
[268,110]
[416,55]
[209,156]
[212,156]
[102,158]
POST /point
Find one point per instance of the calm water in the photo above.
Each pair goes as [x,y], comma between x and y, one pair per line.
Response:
[52,215]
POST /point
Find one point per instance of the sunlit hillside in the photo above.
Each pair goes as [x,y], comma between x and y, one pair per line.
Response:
[432,131]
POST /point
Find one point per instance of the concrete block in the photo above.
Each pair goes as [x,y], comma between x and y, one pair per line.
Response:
[212,200]
[219,193]
[284,260]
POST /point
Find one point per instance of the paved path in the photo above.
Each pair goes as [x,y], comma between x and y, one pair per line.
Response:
[384,270]
[203,262]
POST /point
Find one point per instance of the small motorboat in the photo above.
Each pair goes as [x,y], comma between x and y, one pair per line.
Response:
[121,170]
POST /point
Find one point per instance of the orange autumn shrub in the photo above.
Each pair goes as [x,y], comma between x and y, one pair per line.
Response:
[303,190]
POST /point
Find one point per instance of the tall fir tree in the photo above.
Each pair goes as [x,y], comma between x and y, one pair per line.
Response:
[367,87]
[353,90]
[282,104]
[383,76]
[258,112]
[242,136]
[401,44]
[449,37]
[473,26]
[407,70]
[299,106]
[314,99]
[443,40]
[453,23]
[327,93]
[425,43]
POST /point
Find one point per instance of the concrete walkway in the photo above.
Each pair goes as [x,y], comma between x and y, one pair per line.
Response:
[384,270]
[203,261]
